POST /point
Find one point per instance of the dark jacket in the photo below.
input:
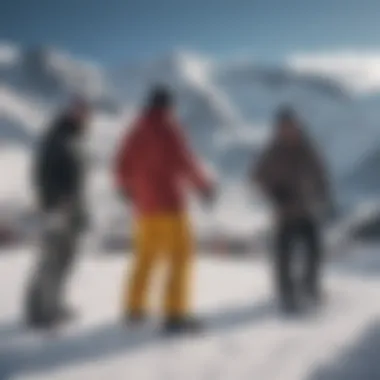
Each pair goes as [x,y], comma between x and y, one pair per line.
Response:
[59,167]
[292,177]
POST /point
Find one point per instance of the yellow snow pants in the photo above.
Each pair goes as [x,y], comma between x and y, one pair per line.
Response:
[168,237]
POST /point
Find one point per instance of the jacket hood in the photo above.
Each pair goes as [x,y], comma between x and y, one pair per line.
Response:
[158,117]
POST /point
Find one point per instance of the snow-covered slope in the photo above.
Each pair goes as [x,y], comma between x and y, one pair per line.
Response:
[246,338]
[53,76]
[21,119]
[15,168]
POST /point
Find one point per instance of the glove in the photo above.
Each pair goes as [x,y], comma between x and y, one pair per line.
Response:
[282,195]
[55,221]
[124,195]
[81,221]
[331,211]
[208,196]
[325,211]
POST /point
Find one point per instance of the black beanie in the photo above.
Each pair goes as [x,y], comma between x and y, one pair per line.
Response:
[286,113]
[160,97]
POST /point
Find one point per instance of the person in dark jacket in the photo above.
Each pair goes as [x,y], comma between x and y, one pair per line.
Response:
[291,174]
[59,180]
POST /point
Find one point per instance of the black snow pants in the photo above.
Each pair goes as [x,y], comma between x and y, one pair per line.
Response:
[44,298]
[288,236]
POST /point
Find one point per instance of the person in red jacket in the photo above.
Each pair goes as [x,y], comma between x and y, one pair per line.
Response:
[154,167]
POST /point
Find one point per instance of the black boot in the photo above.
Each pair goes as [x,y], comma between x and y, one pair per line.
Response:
[44,322]
[314,296]
[289,305]
[35,318]
[134,318]
[41,321]
[182,325]
[65,314]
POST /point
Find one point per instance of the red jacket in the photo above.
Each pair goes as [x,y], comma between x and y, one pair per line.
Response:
[153,163]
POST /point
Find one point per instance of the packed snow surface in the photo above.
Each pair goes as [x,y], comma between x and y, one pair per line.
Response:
[246,337]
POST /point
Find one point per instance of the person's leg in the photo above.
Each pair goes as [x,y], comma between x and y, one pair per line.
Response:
[146,255]
[180,263]
[66,255]
[312,239]
[34,303]
[42,298]
[283,263]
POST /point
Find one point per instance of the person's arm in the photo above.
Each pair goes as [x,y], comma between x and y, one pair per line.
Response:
[326,191]
[259,173]
[320,173]
[123,163]
[188,162]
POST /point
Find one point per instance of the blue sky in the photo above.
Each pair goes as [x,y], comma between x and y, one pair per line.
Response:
[114,31]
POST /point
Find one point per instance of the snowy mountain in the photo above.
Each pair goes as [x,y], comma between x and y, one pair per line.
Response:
[36,83]
[227,108]
[201,105]
[21,118]
[52,76]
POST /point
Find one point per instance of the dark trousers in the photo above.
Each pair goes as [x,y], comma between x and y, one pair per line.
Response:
[45,292]
[290,234]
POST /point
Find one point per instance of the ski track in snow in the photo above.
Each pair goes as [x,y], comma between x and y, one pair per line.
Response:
[246,337]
